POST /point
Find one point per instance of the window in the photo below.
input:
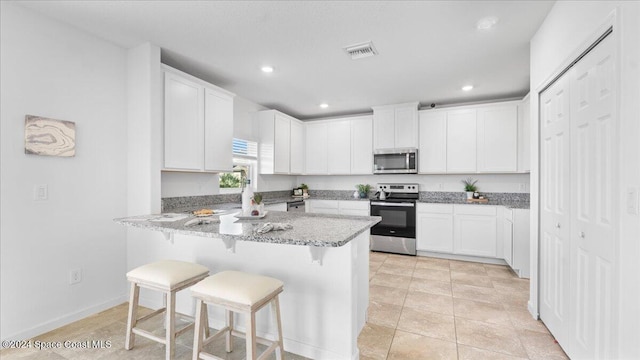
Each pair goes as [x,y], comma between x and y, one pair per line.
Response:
[245,155]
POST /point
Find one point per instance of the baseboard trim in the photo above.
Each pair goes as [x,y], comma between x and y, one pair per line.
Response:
[479,259]
[66,319]
[532,311]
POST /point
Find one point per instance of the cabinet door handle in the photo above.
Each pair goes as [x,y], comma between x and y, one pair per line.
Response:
[581,234]
[557,225]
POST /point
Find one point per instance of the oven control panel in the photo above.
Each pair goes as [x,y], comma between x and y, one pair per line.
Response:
[399,188]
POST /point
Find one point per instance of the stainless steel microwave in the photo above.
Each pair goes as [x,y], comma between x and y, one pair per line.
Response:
[395,161]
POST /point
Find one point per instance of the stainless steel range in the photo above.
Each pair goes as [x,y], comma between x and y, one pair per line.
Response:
[396,204]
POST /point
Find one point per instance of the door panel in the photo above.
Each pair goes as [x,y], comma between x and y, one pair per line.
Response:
[554,214]
[594,237]
[582,202]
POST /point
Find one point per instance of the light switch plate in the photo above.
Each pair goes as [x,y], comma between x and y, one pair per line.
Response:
[40,192]
[632,201]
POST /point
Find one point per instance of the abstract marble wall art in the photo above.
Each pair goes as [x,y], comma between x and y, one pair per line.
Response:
[50,137]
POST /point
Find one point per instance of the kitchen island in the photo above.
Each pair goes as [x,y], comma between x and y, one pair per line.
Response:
[323,261]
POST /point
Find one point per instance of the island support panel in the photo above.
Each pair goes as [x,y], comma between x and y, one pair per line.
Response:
[323,307]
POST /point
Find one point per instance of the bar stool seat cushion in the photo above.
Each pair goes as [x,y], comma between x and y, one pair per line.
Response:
[166,273]
[237,287]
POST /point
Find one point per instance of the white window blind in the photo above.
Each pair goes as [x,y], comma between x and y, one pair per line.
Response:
[245,148]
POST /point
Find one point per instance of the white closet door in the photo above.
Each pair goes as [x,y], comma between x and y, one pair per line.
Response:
[555,198]
[593,136]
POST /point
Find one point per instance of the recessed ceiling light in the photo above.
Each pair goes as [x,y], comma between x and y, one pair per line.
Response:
[487,23]
[324,105]
[267,69]
[467,88]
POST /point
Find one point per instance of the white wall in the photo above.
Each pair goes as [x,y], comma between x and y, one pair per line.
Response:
[486,183]
[53,70]
[568,30]
[243,120]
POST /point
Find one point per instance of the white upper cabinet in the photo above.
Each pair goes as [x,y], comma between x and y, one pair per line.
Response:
[362,145]
[461,141]
[432,155]
[524,135]
[497,138]
[316,148]
[384,129]
[339,147]
[297,148]
[198,124]
[395,126]
[277,142]
[218,135]
[472,139]
[282,145]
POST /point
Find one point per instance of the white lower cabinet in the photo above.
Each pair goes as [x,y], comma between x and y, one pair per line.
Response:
[474,230]
[434,225]
[507,236]
[352,207]
[323,206]
[520,243]
[276,207]
[339,207]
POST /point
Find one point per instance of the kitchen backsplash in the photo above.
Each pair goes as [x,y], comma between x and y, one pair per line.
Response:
[518,200]
[180,202]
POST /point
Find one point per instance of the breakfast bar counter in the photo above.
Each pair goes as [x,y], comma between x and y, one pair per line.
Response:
[323,261]
[307,229]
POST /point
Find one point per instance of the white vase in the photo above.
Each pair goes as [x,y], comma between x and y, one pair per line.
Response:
[469,195]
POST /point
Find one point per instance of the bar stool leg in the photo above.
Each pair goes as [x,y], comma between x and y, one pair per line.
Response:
[205,321]
[166,311]
[275,309]
[133,315]
[251,336]
[229,335]
[197,336]
[171,326]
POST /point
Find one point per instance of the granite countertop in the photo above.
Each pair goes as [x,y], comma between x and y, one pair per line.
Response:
[320,230]
[507,204]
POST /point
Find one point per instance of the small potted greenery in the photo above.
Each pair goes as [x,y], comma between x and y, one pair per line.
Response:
[257,205]
[305,189]
[470,186]
[363,190]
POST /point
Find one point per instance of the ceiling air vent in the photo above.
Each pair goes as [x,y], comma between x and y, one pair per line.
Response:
[362,50]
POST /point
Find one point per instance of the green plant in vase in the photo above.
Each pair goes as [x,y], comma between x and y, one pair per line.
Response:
[470,186]
[257,205]
[363,190]
[305,189]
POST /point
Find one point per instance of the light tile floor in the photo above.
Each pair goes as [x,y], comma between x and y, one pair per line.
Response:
[428,308]
[420,308]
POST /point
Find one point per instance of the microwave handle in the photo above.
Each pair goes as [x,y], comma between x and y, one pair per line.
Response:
[407,161]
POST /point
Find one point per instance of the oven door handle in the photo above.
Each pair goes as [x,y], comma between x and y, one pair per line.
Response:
[393,204]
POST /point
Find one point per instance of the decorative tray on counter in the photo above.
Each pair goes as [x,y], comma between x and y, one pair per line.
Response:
[250,217]
[208,212]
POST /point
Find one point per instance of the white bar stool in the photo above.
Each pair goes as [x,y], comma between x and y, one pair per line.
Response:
[168,276]
[239,292]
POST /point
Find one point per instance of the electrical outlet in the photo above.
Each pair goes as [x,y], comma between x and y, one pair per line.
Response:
[632,201]
[522,187]
[75,276]
[440,186]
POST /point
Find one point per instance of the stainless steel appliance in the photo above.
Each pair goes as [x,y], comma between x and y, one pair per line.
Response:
[296,206]
[395,161]
[396,233]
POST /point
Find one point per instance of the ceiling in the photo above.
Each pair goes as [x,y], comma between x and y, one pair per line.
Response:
[427,49]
